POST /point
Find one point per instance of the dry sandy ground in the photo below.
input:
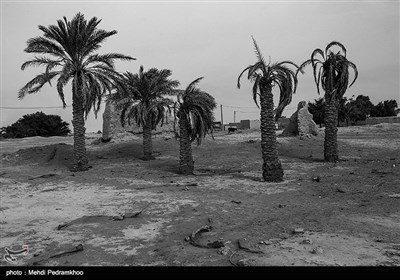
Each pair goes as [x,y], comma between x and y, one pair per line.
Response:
[323,214]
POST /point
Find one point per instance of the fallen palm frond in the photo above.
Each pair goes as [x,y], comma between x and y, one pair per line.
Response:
[75,249]
[195,236]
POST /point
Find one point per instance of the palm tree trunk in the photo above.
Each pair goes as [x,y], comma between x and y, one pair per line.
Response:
[107,123]
[147,143]
[186,163]
[81,162]
[330,144]
[272,168]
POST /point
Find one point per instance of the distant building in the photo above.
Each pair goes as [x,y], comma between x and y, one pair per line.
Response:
[217,126]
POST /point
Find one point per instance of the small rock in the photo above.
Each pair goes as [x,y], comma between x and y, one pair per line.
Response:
[298,230]
[223,250]
[317,250]
[37,253]
[118,217]
[267,242]
[341,190]
[284,236]
[396,246]
[316,179]
[306,241]
[187,238]
[246,262]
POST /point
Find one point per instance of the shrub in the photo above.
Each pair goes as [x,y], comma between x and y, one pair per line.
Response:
[37,124]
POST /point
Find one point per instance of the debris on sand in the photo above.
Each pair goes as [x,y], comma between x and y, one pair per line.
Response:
[75,249]
[298,231]
[224,250]
[306,241]
[114,218]
[43,176]
[246,246]
[379,172]
[52,154]
[62,226]
[127,216]
[341,190]
[317,250]
[316,179]
[246,262]
[195,236]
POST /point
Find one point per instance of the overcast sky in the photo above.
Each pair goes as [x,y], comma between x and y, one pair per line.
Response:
[210,39]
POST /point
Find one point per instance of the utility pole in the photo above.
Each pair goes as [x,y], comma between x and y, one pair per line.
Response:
[222,119]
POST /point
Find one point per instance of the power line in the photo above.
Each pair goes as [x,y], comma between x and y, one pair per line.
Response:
[55,107]
[238,107]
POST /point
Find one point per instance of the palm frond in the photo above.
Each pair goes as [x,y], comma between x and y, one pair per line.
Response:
[353,66]
[44,46]
[193,84]
[238,80]
[314,53]
[36,83]
[258,52]
[37,61]
[335,43]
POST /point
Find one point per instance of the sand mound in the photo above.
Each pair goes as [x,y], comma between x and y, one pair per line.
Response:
[56,154]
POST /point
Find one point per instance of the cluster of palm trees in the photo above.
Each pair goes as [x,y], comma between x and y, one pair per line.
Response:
[145,97]
[70,49]
[331,71]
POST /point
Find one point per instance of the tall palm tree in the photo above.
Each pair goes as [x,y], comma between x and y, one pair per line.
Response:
[144,101]
[68,54]
[264,77]
[194,111]
[331,71]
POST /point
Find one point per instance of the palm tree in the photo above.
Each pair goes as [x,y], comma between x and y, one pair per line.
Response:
[144,101]
[194,111]
[69,47]
[332,73]
[264,77]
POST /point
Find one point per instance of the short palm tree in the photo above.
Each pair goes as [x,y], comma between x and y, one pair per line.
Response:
[194,111]
[264,77]
[69,47]
[332,73]
[144,101]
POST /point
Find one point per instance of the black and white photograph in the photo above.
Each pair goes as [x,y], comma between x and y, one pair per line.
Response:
[182,134]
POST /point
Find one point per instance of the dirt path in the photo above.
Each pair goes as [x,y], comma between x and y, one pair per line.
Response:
[342,214]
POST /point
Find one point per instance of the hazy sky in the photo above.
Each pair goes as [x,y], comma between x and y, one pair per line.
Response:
[210,39]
